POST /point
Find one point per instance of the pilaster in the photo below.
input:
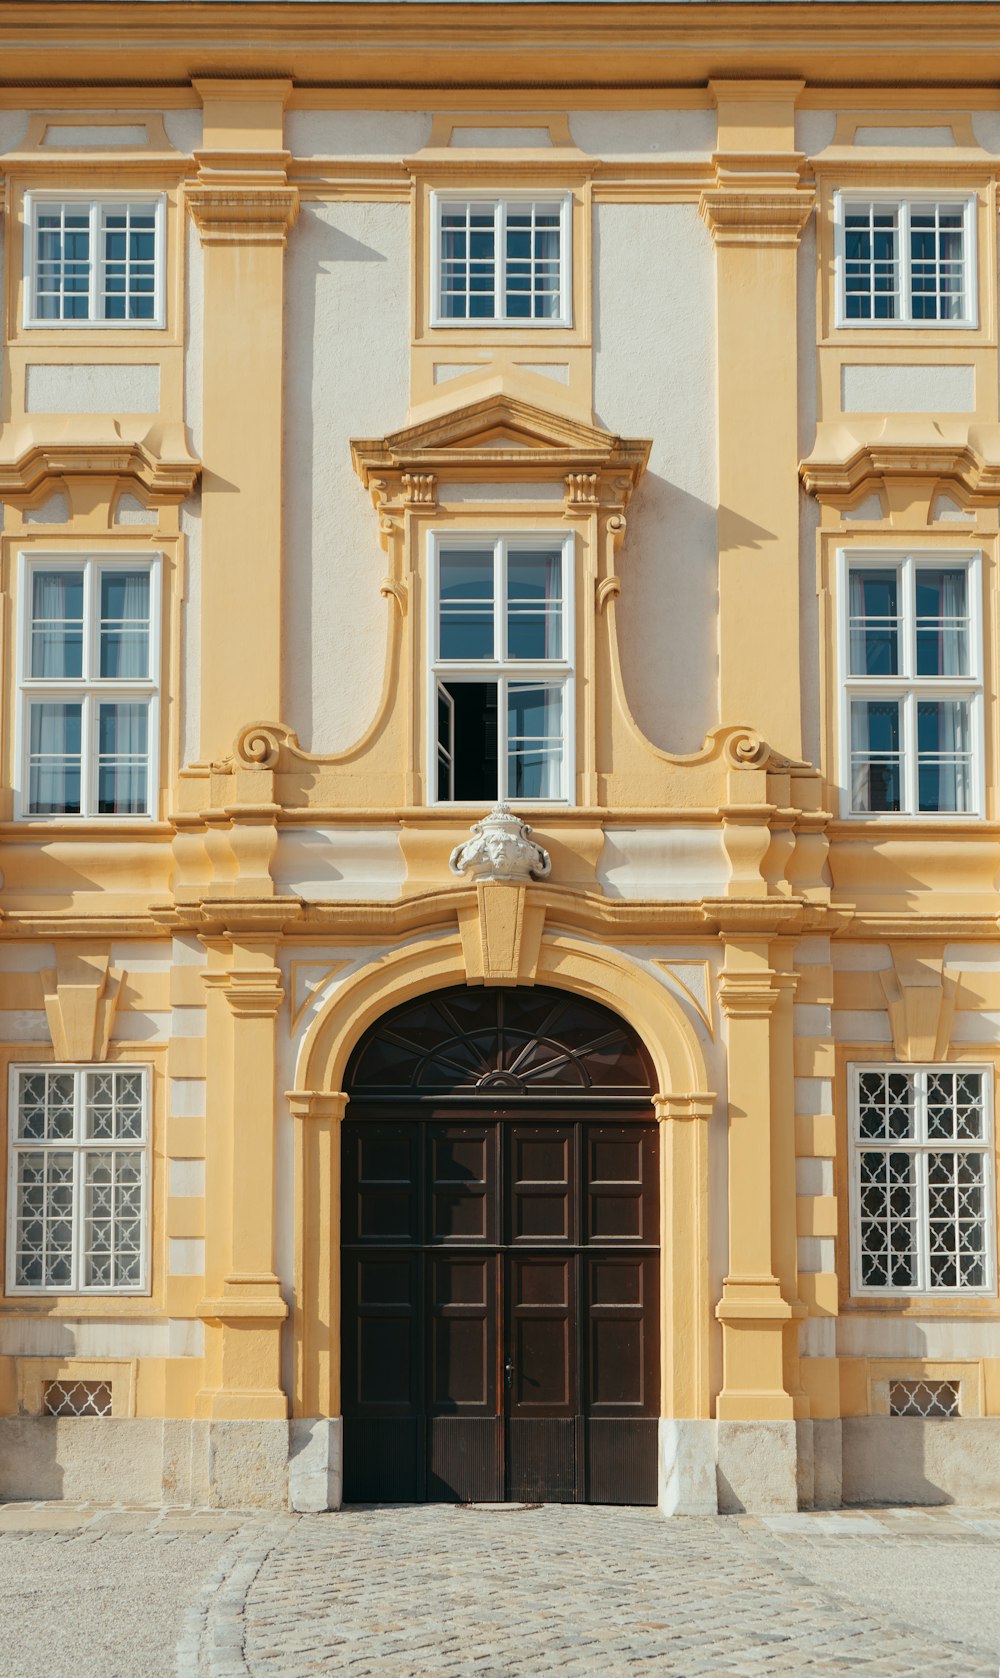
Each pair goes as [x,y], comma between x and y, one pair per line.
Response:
[753,1311]
[243,206]
[244,1317]
[684,1300]
[756,210]
[318,1115]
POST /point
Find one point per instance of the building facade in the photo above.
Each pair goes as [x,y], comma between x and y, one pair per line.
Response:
[499,949]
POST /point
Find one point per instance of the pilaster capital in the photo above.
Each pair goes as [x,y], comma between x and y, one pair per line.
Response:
[252,993]
[748,208]
[749,996]
[317,1104]
[693,1105]
[242,198]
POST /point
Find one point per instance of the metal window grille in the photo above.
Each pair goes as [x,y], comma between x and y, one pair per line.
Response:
[931,1399]
[95,261]
[79,1170]
[502,262]
[76,1398]
[907,262]
[922,1180]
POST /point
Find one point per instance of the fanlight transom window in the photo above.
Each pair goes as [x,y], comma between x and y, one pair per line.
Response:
[531,1042]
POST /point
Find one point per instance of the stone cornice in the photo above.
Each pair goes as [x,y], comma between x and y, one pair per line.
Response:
[842,462]
[86,447]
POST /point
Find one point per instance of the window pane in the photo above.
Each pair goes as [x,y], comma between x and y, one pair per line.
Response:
[62,262]
[871,263]
[113,1106]
[125,624]
[466,622]
[122,759]
[942,623]
[57,625]
[535,744]
[54,738]
[937,266]
[468,261]
[944,755]
[112,1219]
[888,1220]
[472,711]
[885,1106]
[956,1203]
[533,267]
[874,623]
[129,262]
[534,605]
[876,759]
[43,1219]
[45,1106]
[955,1106]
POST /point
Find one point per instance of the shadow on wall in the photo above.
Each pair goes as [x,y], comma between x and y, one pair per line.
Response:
[335,322]
[668,615]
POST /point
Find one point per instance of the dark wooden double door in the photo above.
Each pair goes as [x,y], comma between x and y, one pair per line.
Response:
[500,1308]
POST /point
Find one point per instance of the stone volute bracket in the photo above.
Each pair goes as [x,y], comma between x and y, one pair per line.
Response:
[502,933]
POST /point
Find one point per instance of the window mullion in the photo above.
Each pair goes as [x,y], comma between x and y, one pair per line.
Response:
[903,266]
[96,262]
[500,628]
[502,741]
[79,1156]
[500,264]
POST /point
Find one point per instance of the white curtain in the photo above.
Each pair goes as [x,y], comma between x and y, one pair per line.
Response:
[125,625]
[57,624]
[54,769]
[123,732]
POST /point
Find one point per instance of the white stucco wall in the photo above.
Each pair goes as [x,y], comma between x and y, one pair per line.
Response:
[95,387]
[907,388]
[632,133]
[183,129]
[356,133]
[809,659]
[346,375]
[654,270]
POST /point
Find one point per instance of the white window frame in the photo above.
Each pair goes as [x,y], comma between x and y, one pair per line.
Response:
[500,201]
[906,685]
[904,202]
[89,690]
[919,1146]
[96,319]
[555,672]
[78,1146]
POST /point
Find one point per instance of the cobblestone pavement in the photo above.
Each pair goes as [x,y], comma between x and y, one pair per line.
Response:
[508,1592]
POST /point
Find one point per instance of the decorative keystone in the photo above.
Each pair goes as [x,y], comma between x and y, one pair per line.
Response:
[501,849]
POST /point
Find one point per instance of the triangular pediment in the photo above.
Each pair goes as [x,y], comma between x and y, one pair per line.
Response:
[480,435]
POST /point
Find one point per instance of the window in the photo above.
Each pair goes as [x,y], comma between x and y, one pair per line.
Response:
[906,261]
[502,669]
[501,262]
[78,1179]
[94,263]
[88,709]
[911,719]
[922,1179]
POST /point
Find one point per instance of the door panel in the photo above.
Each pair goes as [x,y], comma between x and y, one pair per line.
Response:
[500,1291]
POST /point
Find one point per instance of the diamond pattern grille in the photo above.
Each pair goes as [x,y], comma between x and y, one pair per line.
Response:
[76,1398]
[930,1399]
[79,1195]
[922,1210]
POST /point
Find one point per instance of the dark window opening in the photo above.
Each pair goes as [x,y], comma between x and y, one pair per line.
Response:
[467,741]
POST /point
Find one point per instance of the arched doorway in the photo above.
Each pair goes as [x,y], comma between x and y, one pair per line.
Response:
[500,1262]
